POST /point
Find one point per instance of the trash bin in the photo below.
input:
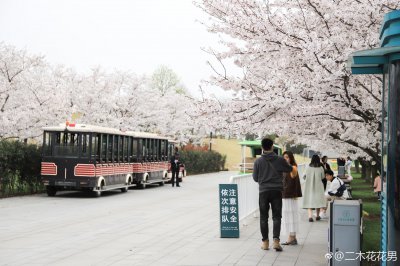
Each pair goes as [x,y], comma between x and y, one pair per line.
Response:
[345,231]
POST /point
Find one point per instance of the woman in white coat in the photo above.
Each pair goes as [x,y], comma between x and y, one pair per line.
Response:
[313,196]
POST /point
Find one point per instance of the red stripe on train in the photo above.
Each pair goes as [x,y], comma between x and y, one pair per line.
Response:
[84,170]
[48,168]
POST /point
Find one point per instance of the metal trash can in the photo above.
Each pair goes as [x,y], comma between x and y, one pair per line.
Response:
[345,232]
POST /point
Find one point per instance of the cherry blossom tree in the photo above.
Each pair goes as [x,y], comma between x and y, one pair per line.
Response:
[34,94]
[21,75]
[294,80]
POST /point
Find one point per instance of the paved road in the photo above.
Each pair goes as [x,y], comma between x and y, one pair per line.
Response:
[155,226]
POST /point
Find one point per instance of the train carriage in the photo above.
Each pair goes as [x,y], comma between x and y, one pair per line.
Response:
[92,158]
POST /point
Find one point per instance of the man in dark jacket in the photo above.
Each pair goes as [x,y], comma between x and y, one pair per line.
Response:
[175,165]
[268,173]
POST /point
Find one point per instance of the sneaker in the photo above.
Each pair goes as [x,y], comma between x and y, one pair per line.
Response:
[310,220]
[323,216]
[265,245]
[318,218]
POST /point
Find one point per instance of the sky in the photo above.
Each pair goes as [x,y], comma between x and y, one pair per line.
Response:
[135,35]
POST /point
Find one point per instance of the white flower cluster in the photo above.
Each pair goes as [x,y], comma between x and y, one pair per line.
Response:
[293,56]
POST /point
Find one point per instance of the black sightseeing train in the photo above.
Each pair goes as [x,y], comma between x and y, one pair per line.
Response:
[96,159]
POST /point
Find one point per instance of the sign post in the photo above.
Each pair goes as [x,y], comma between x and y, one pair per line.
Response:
[229,211]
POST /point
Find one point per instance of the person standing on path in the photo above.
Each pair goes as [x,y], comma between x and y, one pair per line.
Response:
[348,164]
[268,173]
[290,195]
[326,166]
[175,165]
[313,196]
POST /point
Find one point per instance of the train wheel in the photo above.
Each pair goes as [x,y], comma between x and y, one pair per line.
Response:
[142,184]
[97,193]
[125,189]
[51,191]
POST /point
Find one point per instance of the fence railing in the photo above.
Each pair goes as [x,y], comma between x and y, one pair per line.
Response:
[248,192]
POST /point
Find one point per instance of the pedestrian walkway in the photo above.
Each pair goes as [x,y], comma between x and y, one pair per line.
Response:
[154,226]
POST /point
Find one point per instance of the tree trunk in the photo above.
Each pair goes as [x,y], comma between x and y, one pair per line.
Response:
[375,168]
[357,165]
[368,171]
[363,169]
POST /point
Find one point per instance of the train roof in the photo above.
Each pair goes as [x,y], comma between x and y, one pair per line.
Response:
[99,129]
[144,135]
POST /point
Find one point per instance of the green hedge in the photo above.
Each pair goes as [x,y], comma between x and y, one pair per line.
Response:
[19,168]
[199,162]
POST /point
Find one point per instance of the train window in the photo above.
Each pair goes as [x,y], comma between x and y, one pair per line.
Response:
[151,149]
[148,149]
[110,144]
[154,157]
[85,145]
[95,154]
[135,149]
[116,148]
[125,149]
[166,150]
[144,149]
[162,150]
[104,146]
[66,144]
[139,149]
[155,149]
[129,149]
[120,149]
[158,156]
[47,145]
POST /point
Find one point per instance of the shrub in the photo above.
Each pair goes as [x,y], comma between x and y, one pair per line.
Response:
[19,168]
[200,161]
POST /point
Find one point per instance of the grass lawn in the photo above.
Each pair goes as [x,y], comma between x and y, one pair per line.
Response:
[372,222]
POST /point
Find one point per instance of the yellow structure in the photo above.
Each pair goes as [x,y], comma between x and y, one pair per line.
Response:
[230,148]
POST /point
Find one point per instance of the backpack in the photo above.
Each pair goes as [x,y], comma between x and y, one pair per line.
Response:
[341,189]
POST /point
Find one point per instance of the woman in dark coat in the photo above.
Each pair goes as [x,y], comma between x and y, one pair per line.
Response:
[291,192]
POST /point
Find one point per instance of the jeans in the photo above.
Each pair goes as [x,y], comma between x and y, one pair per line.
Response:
[274,198]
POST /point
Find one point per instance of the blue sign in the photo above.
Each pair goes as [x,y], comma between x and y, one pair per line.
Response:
[229,211]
